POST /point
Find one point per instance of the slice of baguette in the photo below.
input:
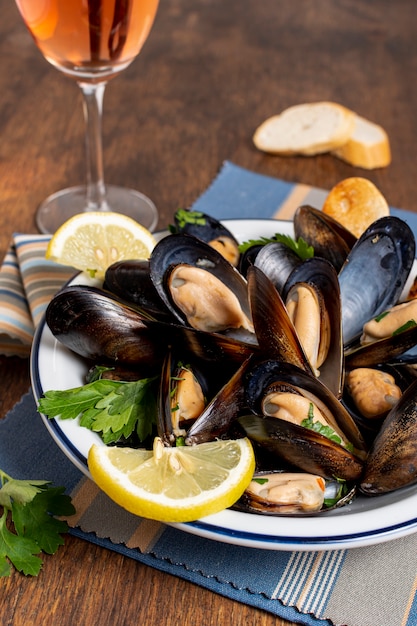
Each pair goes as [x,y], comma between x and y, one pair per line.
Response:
[368,147]
[307,129]
[355,202]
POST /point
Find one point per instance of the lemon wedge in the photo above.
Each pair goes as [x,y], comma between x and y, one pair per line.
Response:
[93,240]
[178,484]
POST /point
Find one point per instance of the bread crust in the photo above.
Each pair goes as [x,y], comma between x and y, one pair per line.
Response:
[368,147]
[355,202]
[306,129]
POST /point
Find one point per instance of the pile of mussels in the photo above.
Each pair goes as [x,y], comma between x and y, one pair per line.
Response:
[312,359]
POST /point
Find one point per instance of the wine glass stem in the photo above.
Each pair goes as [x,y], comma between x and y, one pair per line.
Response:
[93,107]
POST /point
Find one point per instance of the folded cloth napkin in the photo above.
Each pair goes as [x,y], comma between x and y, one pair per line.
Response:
[27,283]
[366,586]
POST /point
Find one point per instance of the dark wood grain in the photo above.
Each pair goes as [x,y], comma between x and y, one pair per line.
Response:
[210,72]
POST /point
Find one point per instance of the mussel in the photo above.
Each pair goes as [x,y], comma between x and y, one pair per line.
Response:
[375,273]
[306,333]
[131,281]
[275,391]
[330,239]
[208,229]
[277,261]
[312,297]
[293,493]
[95,325]
[200,287]
[392,460]
[182,398]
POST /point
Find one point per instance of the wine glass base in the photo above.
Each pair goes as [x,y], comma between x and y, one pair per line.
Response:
[62,205]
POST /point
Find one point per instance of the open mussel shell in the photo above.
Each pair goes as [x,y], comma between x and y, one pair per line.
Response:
[184,250]
[305,449]
[297,445]
[293,493]
[379,388]
[131,281]
[375,273]
[388,350]
[330,239]
[392,459]
[275,333]
[208,229]
[183,394]
[95,325]
[219,418]
[320,276]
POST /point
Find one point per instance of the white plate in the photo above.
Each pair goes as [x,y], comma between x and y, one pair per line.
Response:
[364,522]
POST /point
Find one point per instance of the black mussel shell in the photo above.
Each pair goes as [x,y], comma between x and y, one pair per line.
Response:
[392,459]
[306,449]
[218,420]
[330,239]
[321,274]
[97,326]
[263,374]
[275,333]
[248,257]
[375,273]
[208,229]
[277,261]
[131,281]
[180,249]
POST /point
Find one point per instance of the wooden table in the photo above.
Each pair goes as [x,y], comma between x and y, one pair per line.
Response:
[209,73]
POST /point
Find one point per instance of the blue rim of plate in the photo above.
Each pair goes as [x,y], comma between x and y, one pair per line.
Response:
[212,530]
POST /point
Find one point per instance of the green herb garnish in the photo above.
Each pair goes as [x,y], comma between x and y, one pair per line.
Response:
[381,316]
[27,523]
[260,481]
[322,429]
[184,217]
[404,327]
[114,409]
[299,246]
[342,491]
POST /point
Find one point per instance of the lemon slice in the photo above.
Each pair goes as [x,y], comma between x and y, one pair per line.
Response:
[92,241]
[178,484]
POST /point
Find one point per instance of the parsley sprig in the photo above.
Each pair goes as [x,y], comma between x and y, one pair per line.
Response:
[299,246]
[184,217]
[28,525]
[114,409]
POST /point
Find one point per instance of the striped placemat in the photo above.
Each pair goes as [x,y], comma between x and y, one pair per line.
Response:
[371,586]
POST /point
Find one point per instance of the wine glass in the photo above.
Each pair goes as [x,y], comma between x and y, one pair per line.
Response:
[91,41]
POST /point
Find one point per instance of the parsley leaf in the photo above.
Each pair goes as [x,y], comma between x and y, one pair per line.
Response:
[36,518]
[322,429]
[409,324]
[341,492]
[299,246]
[20,551]
[28,525]
[112,408]
[184,217]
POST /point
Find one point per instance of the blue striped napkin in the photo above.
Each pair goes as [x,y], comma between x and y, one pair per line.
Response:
[350,587]
[27,283]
